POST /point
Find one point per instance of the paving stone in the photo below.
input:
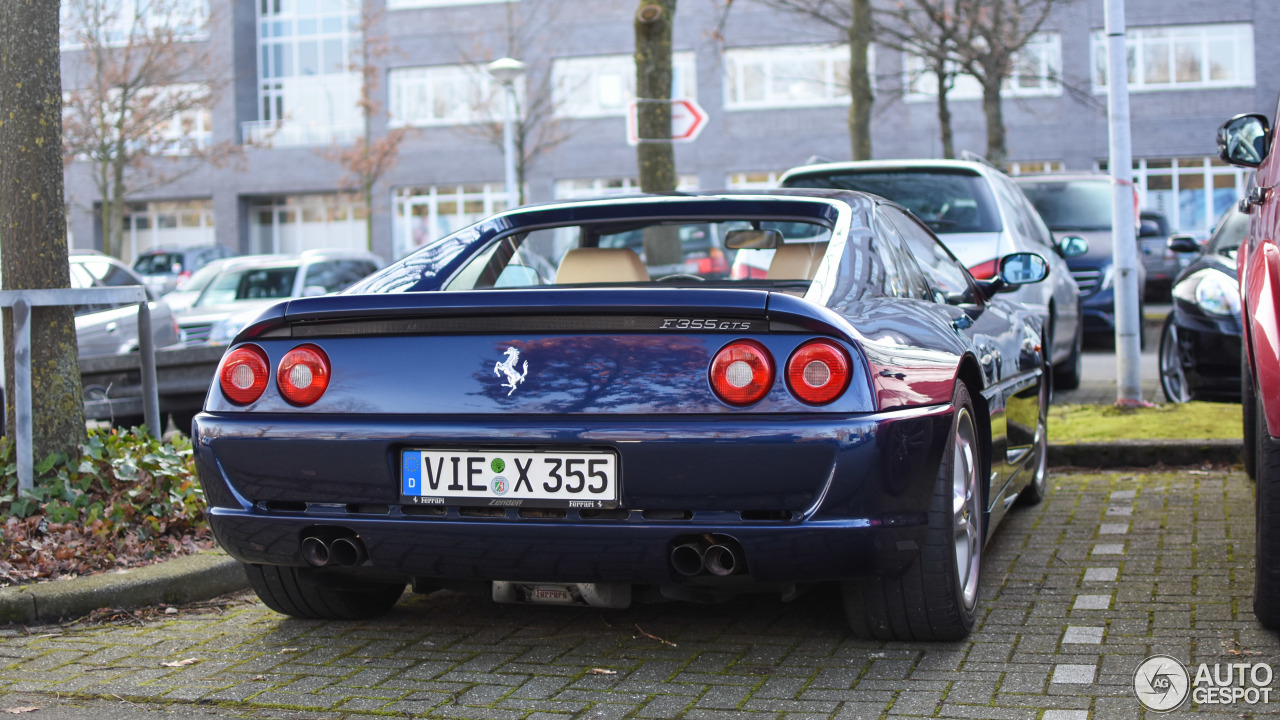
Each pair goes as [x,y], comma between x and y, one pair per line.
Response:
[1073,674]
[1092,602]
[1083,635]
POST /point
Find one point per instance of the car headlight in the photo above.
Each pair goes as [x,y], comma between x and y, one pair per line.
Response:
[1217,293]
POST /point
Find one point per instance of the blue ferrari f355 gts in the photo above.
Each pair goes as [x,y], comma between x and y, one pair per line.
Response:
[640,398]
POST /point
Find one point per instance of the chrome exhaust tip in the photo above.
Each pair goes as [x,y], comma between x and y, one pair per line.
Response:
[348,551]
[315,552]
[687,559]
[722,560]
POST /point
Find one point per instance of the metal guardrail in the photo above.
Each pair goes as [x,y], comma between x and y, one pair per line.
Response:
[22,301]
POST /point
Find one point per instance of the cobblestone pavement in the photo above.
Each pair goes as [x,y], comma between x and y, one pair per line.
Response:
[1110,569]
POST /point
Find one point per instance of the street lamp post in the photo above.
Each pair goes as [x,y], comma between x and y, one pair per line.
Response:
[506,71]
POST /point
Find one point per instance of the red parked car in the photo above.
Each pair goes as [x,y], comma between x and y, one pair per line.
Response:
[1248,141]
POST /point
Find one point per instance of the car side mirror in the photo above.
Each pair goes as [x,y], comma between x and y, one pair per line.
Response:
[1183,243]
[1243,140]
[1023,268]
[1072,246]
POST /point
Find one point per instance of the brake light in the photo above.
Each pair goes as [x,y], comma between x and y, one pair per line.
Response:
[984,271]
[303,375]
[244,374]
[742,373]
[818,372]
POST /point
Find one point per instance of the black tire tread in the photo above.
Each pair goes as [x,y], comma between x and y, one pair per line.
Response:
[302,593]
[1249,401]
[1266,586]
[921,604]
[1067,375]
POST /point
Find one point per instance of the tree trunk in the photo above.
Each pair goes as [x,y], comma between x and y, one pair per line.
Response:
[33,233]
[654,153]
[860,95]
[944,112]
[997,152]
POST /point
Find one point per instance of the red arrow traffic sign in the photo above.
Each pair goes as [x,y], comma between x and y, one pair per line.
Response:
[687,120]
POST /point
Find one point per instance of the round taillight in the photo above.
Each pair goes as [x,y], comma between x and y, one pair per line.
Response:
[244,374]
[818,372]
[303,375]
[742,372]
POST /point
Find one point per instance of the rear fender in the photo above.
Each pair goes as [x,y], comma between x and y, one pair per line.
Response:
[1264,330]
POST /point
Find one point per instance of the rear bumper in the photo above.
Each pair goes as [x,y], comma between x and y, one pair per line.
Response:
[805,499]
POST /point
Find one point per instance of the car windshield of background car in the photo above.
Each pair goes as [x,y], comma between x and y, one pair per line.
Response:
[159,264]
[1072,205]
[108,274]
[948,202]
[249,284]
[697,252]
[201,278]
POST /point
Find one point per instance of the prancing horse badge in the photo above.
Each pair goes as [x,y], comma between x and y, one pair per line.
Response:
[508,367]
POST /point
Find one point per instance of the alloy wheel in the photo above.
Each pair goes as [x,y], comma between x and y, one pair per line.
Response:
[966,507]
[1173,380]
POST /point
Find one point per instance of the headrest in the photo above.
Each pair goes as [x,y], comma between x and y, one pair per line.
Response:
[796,261]
[601,265]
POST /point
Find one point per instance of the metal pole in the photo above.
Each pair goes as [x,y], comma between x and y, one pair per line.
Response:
[146,348]
[509,144]
[22,394]
[1124,248]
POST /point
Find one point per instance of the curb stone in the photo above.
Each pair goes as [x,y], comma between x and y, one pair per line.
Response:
[1146,453]
[182,580]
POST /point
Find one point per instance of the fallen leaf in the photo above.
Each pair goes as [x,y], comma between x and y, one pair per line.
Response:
[19,710]
[181,663]
[258,677]
[603,671]
[288,650]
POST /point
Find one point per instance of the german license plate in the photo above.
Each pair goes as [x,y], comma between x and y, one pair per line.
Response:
[509,479]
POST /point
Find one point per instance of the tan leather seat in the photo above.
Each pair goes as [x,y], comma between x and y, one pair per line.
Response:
[796,261]
[601,265]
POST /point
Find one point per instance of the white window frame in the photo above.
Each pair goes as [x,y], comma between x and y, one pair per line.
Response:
[833,59]
[415,4]
[573,78]
[492,196]
[485,103]
[192,26]
[1209,168]
[1238,35]
[338,210]
[586,188]
[753,180]
[920,84]
[141,239]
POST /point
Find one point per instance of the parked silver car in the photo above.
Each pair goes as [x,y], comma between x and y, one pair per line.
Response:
[981,216]
[164,268]
[112,329]
[248,285]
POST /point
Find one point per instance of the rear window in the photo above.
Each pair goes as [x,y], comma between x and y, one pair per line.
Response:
[249,284]
[159,264]
[948,202]
[1071,204]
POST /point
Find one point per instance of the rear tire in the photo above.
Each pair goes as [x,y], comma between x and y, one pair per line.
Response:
[936,598]
[1249,401]
[1266,584]
[304,593]
[1067,375]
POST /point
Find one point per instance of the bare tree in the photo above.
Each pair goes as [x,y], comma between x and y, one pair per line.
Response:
[997,30]
[33,219]
[139,106]
[854,20]
[369,157]
[527,34]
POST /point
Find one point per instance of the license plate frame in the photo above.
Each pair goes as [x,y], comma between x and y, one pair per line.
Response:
[469,476]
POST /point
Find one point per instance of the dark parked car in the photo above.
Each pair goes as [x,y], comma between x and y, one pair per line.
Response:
[865,414]
[1161,263]
[1249,141]
[1080,205]
[981,216]
[165,268]
[1200,343]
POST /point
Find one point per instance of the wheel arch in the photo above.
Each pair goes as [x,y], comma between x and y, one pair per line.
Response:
[970,373]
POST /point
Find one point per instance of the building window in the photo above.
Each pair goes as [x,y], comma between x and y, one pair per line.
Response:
[603,187]
[406,4]
[426,214]
[1182,57]
[295,223]
[121,22]
[1192,192]
[786,76]
[1036,72]
[753,180]
[605,85]
[1035,167]
[446,95]
[308,92]
[182,223]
